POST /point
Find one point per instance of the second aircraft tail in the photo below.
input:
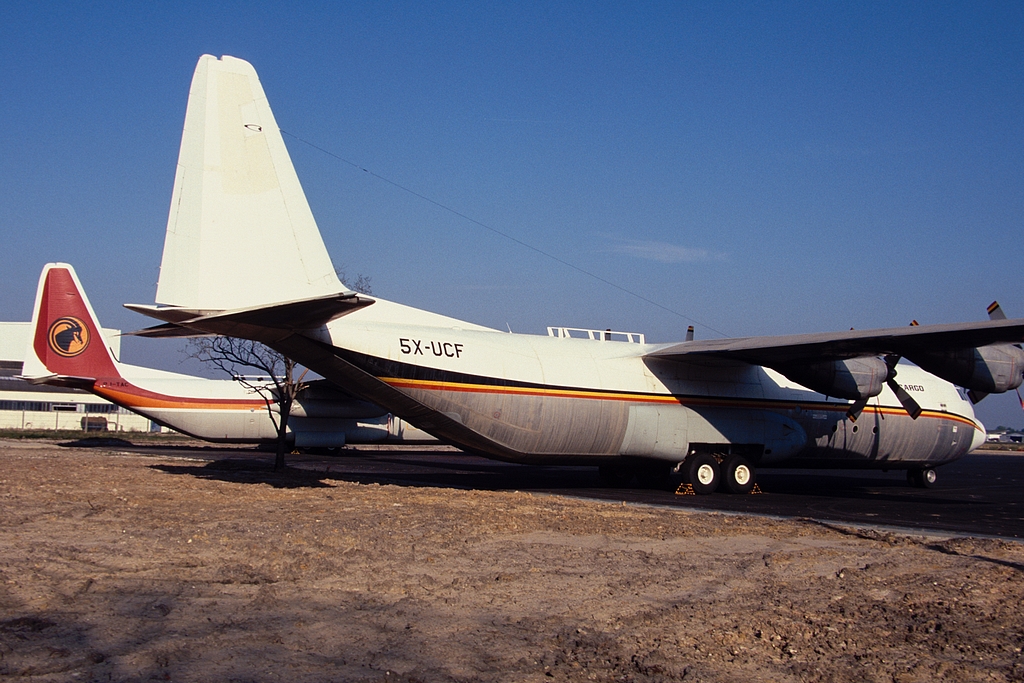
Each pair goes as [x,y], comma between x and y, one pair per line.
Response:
[66,339]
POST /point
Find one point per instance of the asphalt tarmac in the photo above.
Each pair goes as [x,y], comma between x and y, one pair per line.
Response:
[981,494]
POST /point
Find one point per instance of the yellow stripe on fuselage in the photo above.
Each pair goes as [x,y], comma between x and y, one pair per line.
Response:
[434,385]
[430,385]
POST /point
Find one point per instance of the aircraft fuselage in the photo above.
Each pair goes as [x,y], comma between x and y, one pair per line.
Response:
[542,399]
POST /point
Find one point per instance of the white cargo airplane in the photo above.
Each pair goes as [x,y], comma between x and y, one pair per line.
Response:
[67,348]
[712,410]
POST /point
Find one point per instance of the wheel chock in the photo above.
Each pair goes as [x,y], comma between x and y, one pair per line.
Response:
[685,490]
[756,489]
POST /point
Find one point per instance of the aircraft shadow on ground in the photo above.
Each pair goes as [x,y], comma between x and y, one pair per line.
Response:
[461,476]
[503,476]
[249,472]
[826,486]
[848,497]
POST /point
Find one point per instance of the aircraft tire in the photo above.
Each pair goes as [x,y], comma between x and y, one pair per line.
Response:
[703,472]
[738,474]
[615,476]
[922,477]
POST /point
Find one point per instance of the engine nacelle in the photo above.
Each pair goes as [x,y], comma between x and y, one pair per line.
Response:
[990,369]
[853,378]
[342,408]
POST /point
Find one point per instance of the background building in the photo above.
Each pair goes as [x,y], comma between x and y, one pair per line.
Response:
[30,406]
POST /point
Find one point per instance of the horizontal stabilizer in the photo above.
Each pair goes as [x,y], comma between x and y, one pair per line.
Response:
[61,381]
[290,317]
[168,331]
[169,314]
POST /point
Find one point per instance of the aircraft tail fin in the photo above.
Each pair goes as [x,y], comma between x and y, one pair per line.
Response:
[66,345]
[240,232]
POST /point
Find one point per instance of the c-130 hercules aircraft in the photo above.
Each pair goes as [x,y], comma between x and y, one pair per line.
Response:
[711,410]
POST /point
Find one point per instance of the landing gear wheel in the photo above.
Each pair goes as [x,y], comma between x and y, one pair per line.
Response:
[923,477]
[615,476]
[738,474]
[703,472]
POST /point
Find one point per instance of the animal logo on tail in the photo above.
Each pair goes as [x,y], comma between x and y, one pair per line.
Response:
[68,337]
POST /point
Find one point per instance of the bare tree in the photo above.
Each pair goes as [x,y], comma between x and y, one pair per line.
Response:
[275,380]
[275,383]
[362,282]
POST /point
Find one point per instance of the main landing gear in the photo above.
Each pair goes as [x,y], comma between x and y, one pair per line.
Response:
[922,477]
[738,474]
[705,472]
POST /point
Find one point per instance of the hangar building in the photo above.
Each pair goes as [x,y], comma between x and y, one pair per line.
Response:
[31,406]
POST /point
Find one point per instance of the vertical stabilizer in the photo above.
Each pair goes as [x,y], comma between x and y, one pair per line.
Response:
[240,232]
[66,339]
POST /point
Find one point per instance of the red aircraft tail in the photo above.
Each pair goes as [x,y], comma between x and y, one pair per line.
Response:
[66,337]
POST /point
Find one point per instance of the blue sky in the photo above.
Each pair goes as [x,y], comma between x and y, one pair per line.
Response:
[758,168]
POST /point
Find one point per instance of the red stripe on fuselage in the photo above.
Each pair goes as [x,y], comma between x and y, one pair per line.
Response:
[126,394]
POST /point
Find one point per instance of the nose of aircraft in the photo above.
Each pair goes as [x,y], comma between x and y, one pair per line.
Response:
[979,436]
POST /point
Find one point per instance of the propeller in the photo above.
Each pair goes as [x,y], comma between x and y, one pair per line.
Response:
[856,408]
[995,312]
[905,399]
[908,403]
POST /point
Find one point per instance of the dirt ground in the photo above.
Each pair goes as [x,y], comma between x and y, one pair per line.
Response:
[130,568]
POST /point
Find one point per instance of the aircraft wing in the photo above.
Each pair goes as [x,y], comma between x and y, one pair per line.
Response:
[825,346]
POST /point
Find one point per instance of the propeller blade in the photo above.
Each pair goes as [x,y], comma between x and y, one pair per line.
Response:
[905,399]
[995,311]
[856,408]
[975,396]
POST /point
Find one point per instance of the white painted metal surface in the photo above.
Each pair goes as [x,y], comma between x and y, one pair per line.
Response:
[529,398]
